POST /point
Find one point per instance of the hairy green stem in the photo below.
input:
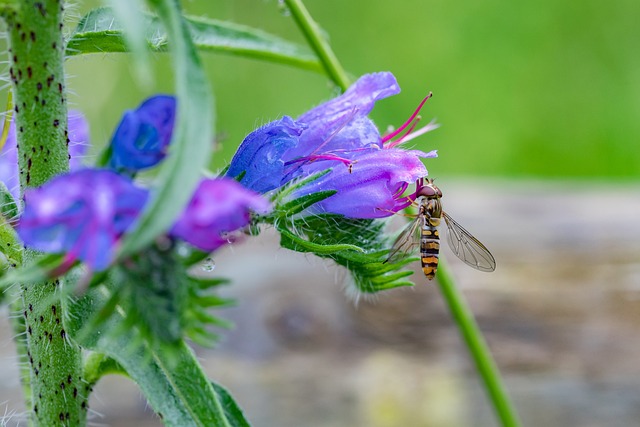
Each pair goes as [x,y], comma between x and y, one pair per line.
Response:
[318,43]
[36,55]
[11,250]
[477,347]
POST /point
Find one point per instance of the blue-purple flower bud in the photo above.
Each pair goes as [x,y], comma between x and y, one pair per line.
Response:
[218,207]
[259,160]
[143,135]
[83,213]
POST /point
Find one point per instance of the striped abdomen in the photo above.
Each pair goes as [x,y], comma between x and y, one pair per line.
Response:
[429,245]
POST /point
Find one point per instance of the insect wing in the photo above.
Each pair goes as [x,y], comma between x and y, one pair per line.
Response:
[468,248]
[406,242]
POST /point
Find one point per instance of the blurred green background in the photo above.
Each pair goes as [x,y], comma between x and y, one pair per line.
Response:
[522,88]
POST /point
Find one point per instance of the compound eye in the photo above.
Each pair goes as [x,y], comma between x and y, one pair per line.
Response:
[427,191]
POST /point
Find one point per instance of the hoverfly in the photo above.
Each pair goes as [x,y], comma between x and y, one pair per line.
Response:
[462,243]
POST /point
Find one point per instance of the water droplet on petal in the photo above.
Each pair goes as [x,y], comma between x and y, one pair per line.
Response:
[208,264]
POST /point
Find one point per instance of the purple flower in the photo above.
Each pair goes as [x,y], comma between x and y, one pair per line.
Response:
[368,172]
[78,142]
[341,124]
[218,206]
[259,160]
[373,189]
[83,213]
[143,135]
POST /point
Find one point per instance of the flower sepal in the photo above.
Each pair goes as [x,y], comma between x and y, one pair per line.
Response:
[357,244]
[162,302]
[8,205]
[302,203]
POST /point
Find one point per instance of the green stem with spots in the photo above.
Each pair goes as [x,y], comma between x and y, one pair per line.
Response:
[36,55]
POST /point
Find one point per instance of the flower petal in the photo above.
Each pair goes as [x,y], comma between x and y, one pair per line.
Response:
[342,123]
[218,206]
[259,159]
[83,213]
[143,135]
[373,188]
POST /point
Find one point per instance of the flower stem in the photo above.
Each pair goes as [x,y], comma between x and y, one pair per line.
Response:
[477,347]
[36,55]
[318,43]
[461,313]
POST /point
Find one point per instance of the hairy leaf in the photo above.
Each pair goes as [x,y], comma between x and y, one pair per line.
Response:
[161,301]
[357,244]
[100,32]
[175,385]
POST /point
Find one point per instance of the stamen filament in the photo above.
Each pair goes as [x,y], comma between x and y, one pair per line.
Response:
[403,127]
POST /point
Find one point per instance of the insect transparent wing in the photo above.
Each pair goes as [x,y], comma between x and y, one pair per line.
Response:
[405,243]
[468,248]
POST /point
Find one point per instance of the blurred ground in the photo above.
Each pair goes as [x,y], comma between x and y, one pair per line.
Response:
[560,314]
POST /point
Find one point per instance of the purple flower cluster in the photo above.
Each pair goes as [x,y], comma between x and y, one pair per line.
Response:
[85,213]
[369,172]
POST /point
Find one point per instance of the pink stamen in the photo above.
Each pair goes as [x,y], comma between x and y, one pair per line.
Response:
[408,122]
[428,128]
[402,138]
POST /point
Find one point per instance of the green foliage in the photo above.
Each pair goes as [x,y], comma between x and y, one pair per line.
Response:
[42,268]
[191,143]
[357,244]
[8,206]
[298,205]
[161,300]
[233,412]
[100,32]
[174,384]
[360,245]
[10,253]
[10,247]
[151,289]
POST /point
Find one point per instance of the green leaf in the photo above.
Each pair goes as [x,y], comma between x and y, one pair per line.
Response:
[295,185]
[8,205]
[290,241]
[159,298]
[357,244]
[231,408]
[129,13]
[153,294]
[100,32]
[178,390]
[190,149]
[41,270]
[301,203]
